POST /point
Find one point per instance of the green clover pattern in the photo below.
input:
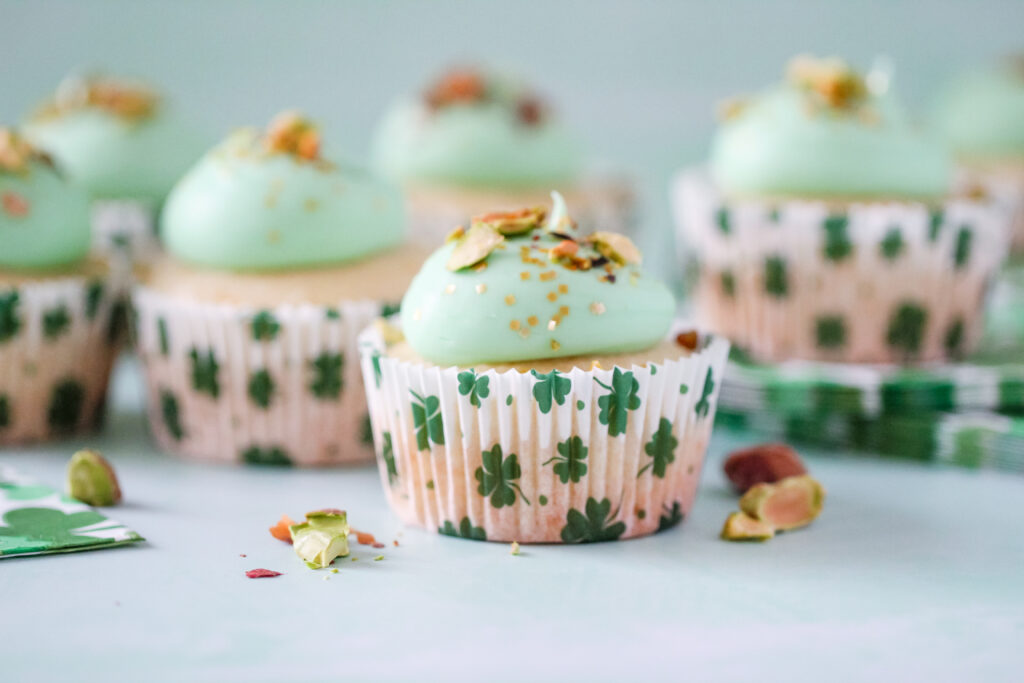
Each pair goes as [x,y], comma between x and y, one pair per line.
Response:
[204,372]
[327,375]
[464,530]
[661,448]
[474,386]
[592,525]
[496,477]
[620,399]
[427,420]
[549,389]
[569,463]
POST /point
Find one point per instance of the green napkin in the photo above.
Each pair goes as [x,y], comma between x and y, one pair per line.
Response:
[37,520]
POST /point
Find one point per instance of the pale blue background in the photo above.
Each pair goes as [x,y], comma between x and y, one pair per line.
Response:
[638,79]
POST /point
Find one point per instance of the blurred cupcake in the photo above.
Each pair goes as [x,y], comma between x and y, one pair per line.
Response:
[826,230]
[476,142]
[125,145]
[537,395]
[247,327]
[981,116]
[56,304]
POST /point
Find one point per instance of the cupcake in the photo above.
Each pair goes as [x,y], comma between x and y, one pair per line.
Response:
[981,117]
[57,305]
[826,230]
[476,142]
[534,392]
[125,145]
[246,328]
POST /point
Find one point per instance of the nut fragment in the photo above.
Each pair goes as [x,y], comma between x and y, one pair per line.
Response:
[292,133]
[321,538]
[476,245]
[565,249]
[92,480]
[762,464]
[741,527]
[458,86]
[789,504]
[616,247]
[513,222]
[16,152]
[688,340]
[832,80]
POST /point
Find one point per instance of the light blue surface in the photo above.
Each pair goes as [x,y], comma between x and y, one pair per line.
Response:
[911,573]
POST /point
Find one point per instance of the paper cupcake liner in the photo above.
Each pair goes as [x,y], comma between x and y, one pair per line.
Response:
[555,458]
[125,229]
[872,282]
[1004,324]
[1005,186]
[58,342]
[278,386]
[435,211]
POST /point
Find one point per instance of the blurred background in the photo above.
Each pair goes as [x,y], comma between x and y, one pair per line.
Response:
[637,80]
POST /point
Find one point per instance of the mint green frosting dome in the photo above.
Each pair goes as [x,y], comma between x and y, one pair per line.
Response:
[118,157]
[44,220]
[522,306]
[786,142]
[503,137]
[241,207]
[981,114]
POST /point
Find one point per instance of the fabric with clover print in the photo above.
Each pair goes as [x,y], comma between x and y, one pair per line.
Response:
[537,464]
[265,386]
[36,519]
[825,280]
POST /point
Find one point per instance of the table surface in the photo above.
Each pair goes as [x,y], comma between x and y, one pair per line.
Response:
[913,572]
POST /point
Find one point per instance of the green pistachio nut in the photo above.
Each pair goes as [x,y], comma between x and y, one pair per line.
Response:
[92,480]
[321,538]
[742,527]
[788,504]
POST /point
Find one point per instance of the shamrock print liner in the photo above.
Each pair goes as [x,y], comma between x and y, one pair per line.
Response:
[239,384]
[58,341]
[589,455]
[37,520]
[871,282]
[125,229]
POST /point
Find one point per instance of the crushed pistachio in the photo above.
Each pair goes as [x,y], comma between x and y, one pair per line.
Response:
[688,340]
[321,538]
[292,133]
[458,86]
[615,247]
[92,480]
[563,250]
[378,558]
[513,222]
[831,80]
[514,548]
[455,234]
[131,101]
[16,153]
[473,247]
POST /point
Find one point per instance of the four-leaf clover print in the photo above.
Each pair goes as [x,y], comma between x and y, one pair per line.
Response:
[474,386]
[465,529]
[550,388]
[620,399]
[496,477]
[387,454]
[204,372]
[427,420]
[593,526]
[327,375]
[703,406]
[10,321]
[569,463]
[661,448]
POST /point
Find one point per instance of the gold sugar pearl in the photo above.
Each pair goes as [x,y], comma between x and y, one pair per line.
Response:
[563,289]
[525,275]
[563,311]
[481,288]
[510,299]
[548,275]
[514,325]
[552,297]
[532,321]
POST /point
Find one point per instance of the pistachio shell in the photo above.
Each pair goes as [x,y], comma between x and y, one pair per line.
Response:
[616,247]
[474,246]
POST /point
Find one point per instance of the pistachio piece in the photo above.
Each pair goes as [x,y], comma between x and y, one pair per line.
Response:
[513,222]
[616,247]
[321,538]
[457,86]
[788,504]
[473,247]
[292,133]
[92,480]
[831,79]
[566,249]
[16,152]
[455,234]
[742,527]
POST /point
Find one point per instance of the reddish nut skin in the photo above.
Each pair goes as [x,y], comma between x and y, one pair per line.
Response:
[762,464]
[262,573]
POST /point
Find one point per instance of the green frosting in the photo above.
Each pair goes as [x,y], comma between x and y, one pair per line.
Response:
[484,143]
[44,220]
[491,314]
[981,114]
[116,157]
[242,207]
[784,142]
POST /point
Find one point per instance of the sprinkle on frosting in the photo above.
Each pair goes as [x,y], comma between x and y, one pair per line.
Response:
[16,154]
[831,81]
[468,86]
[128,100]
[292,133]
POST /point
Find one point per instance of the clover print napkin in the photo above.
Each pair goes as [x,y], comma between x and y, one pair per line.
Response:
[36,520]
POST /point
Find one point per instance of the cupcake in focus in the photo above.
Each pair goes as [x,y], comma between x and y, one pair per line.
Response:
[827,230]
[276,258]
[981,117]
[57,305]
[120,140]
[476,142]
[535,392]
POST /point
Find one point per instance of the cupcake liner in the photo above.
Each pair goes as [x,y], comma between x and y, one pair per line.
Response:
[125,229]
[231,383]
[871,282]
[435,211]
[58,342]
[1005,186]
[555,458]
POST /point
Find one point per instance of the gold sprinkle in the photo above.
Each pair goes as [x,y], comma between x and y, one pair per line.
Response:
[552,297]
[310,204]
[417,314]
[525,332]
[510,299]
[555,345]
[514,325]
[274,236]
[597,308]
[481,288]
[563,288]
[553,323]
[563,311]
[548,275]
[532,321]
[525,275]
[450,289]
